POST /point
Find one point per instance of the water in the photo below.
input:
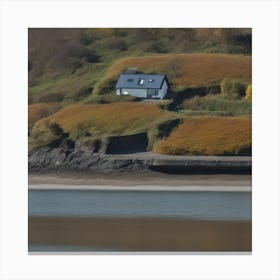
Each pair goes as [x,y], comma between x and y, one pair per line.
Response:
[187,204]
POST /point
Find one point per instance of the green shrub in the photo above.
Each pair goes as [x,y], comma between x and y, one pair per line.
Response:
[218,103]
[45,134]
[55,129]
[51,97]
[92,56]
[174,70]
[81,94]
[115,43]
[106,86]
[233,88]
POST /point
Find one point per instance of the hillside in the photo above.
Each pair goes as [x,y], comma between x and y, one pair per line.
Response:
[188,70]
[72,100]
[89,123]
[67,65]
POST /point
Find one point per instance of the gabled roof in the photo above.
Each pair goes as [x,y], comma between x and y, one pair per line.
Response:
[140,81]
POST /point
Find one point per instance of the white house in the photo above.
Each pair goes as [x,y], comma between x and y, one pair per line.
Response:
[142,85]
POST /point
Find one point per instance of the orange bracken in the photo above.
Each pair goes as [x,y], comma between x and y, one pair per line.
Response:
[209,136]
[189,70]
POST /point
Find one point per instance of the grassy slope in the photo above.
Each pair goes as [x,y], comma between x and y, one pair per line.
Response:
[189,70]
[62,62]
[101,121]
[209,136]
[88,122]
[40,110]
[61,71]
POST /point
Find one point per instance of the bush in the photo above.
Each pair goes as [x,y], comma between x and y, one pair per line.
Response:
[106,86]
[46,133]
[248,95]
[174,70]
[218,103]
[81,94]
[233,88]
[92,56]
[154,47]
[115,43]
[51,97]
[55,129]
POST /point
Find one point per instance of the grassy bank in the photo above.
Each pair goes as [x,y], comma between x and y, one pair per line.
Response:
[188,70]
[209,136]
[90,122]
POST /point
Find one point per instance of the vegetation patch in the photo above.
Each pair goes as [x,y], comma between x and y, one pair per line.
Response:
[161,131]
[39,111]
[88,122]
[68,65]
[209,136]
[188,70]
[248,95]
[72,75]
[220,103]
[48,134]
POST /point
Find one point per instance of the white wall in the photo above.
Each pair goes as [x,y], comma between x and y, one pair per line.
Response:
[162,92]
[141,93]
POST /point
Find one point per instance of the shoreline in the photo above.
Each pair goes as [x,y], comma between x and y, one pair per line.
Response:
[139,181]
[141,188]
[79,160]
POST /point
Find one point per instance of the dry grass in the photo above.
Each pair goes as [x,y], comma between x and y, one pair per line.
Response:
[209,136]
[39,111]
[101,120]
[189,70]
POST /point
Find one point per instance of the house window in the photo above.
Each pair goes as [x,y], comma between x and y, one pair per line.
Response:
[152,92]
[123,91]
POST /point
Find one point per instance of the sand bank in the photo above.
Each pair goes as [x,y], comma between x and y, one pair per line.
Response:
[142,234]
[136,180]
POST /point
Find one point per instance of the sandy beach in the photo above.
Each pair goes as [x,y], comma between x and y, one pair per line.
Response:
[140,180]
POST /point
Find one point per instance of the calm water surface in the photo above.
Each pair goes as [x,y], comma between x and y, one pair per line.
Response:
[201,205]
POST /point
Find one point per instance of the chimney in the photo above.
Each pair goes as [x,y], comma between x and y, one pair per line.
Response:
[131,70]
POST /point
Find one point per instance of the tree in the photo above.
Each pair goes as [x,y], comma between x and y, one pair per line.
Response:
[248,95]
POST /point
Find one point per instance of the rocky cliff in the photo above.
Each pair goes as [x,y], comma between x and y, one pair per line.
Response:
[81,159]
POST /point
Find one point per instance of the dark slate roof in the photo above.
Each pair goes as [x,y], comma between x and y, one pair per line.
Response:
[140,81]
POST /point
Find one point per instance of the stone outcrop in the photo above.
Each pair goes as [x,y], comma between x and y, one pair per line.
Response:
[82,159]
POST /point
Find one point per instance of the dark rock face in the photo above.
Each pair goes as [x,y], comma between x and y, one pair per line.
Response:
[60,159]
[47,159]
[127,144]
[82,159]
